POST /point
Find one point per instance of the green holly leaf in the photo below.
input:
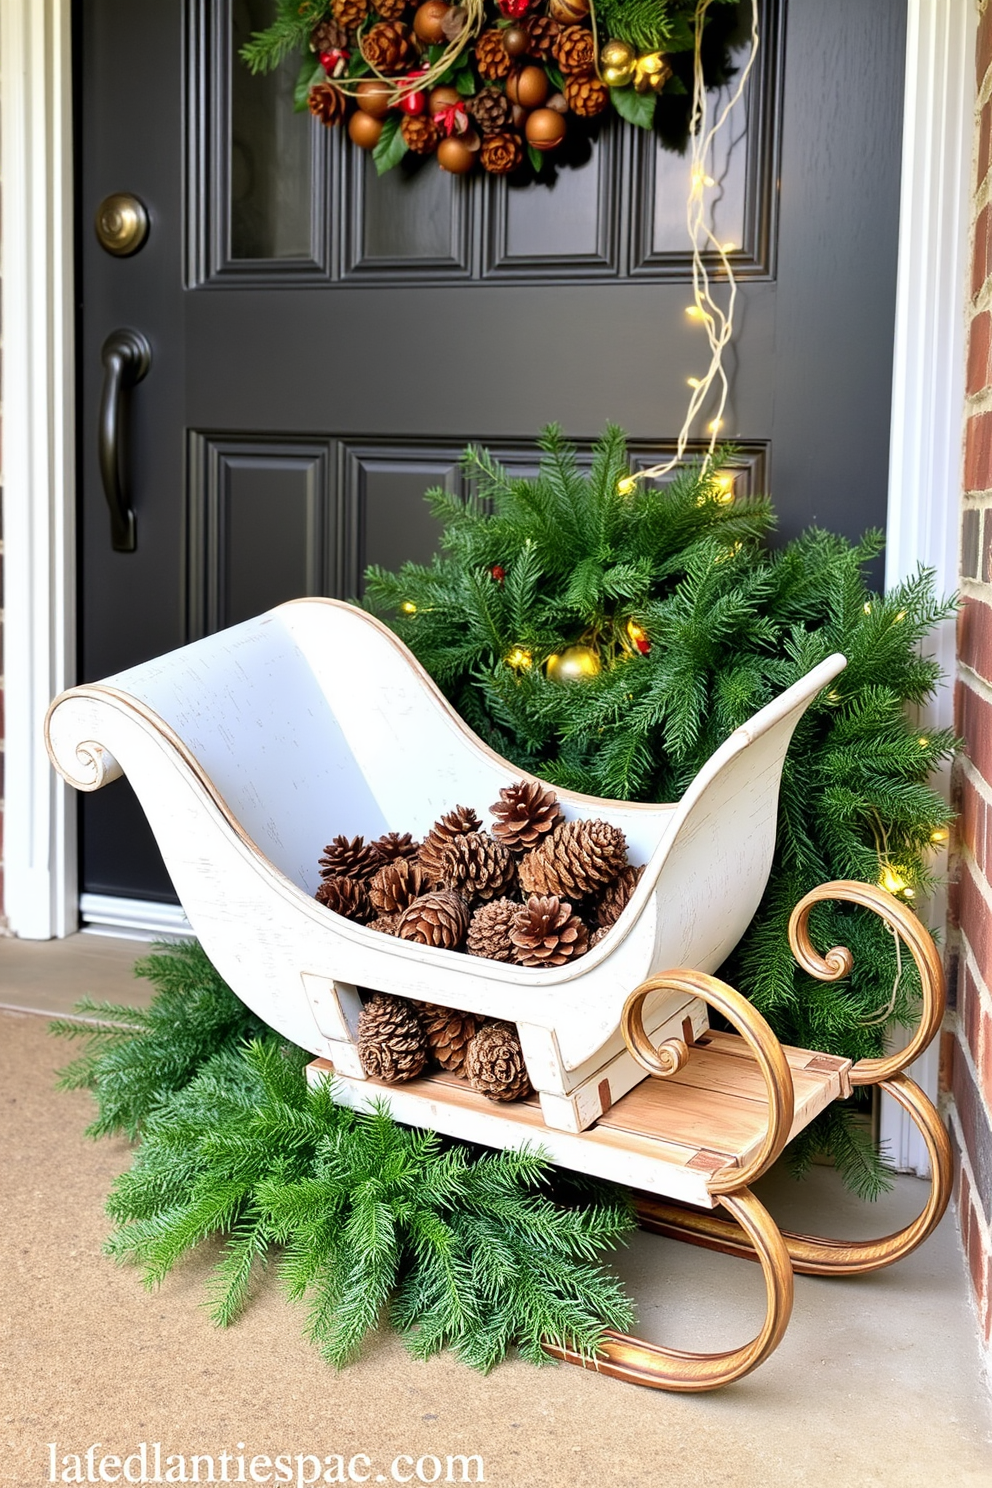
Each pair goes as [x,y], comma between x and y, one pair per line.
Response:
[308,75]
[536,158]
[391,147]
[636,108]
[465,83]
[357,65]
[555,79]
[675,85]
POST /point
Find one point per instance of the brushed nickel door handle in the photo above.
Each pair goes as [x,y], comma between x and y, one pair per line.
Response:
[126,357]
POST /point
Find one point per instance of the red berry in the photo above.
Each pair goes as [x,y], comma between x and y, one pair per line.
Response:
[414,103]
[498,573]
[643,645]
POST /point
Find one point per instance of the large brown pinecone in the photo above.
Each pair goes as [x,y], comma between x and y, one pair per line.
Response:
[586,96]
[489,930]
[420,132]
[346,896]
[495,1063]
[387,46]
[328,36]
[490,56]
[575,50]
[596,935]
[478,867]
[351,13]
[393,845]
[392,1044]
[397,884]
[437,919]
[524,814]
[449,1033]
[326,103]
[490,108]
[385,924]
[453,824]
[501,153]
[579,858]
[616,896]
[349,858]
[545,932]
[544,33]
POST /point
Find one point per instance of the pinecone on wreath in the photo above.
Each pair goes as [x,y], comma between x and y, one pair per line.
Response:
[420,133]
[489,930]
[397,884]
[345,896]
[393,845]
[477,866]
[390,10]
[453,824]
[501,153]
[575,50]
[392,1044]
[544,32]
[449,1033]
[436,919]
[326,103]
[490,108]
[491,56]
[495,1063]
[524,814]
[545,932]
[387,46]
[616,896]
[328,36]
[385,924]
[586,96]
[349,858]
[350,13]
[579,858]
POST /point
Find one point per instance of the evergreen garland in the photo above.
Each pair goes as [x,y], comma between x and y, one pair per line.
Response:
[529,566]
[477,1252]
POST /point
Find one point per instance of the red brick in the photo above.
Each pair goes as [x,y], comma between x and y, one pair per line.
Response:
[972,824]
[963,1197]
[976,920]
[983,48]
[980,251]
[973,720]
[978,453]
[977,1259]
[979,347]
[984,153]
[970,1012]
[983,1057]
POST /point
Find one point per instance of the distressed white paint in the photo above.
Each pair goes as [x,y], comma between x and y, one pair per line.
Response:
[249,749]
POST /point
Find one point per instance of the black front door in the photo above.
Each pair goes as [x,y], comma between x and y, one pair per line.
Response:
[322,343]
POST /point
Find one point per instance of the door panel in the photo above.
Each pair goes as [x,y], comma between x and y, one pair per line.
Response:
[324,343]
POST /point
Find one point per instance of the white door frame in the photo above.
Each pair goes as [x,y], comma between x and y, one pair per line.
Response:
[39,401]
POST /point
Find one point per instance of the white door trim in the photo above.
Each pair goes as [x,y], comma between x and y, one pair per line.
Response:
[39,489]
[38,455]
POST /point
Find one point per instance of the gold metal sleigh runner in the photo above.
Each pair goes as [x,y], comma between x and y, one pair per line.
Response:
[242,746]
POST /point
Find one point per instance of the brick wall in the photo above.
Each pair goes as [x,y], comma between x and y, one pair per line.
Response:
[967,1061]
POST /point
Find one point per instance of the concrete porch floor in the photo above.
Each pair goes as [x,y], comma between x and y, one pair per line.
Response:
[878,1380]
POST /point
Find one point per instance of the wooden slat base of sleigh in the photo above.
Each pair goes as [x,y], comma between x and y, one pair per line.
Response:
[246,747]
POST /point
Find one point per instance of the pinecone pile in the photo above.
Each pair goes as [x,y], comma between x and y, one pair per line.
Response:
[399,1039]
[531,68]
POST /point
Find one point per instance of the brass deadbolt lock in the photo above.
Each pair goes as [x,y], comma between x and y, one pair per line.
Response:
[121,224]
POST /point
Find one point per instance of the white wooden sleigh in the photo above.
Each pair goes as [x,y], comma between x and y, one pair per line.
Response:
[249,748]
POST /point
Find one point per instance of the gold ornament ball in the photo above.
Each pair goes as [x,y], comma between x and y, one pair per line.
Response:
[569,12]
[529,87]
[616,63]
[428,23]
[364,129]
[442,98]
[454,155]
[575,664]
[372,97]
[546,129]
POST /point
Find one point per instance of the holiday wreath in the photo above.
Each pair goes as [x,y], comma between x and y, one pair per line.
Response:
[497,82]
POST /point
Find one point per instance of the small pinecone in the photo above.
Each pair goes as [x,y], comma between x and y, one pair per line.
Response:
[579,858]
[392,1044]
[616,897]
[546,933]
[397,884]
[387,46]
[501,153]
[544,33]
[385,924]
[595,937]
[346,896]
[495,1063]
[454,824]
[586,96]
[349,859]
[326,103]
[438,919]
[351,13]
[478,867]
[489,930]
[490,56]
[420,132]
[390,10]
[449,1034]
[392,846]
[525,812]
[491,110]
[328,36]
[575,50]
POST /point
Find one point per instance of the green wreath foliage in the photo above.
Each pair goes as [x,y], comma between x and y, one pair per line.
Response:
[534,565]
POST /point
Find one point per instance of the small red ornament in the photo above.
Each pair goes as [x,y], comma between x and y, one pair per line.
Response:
[414,103]
[643,645]
[514,9]
[498,573]
[334,61]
